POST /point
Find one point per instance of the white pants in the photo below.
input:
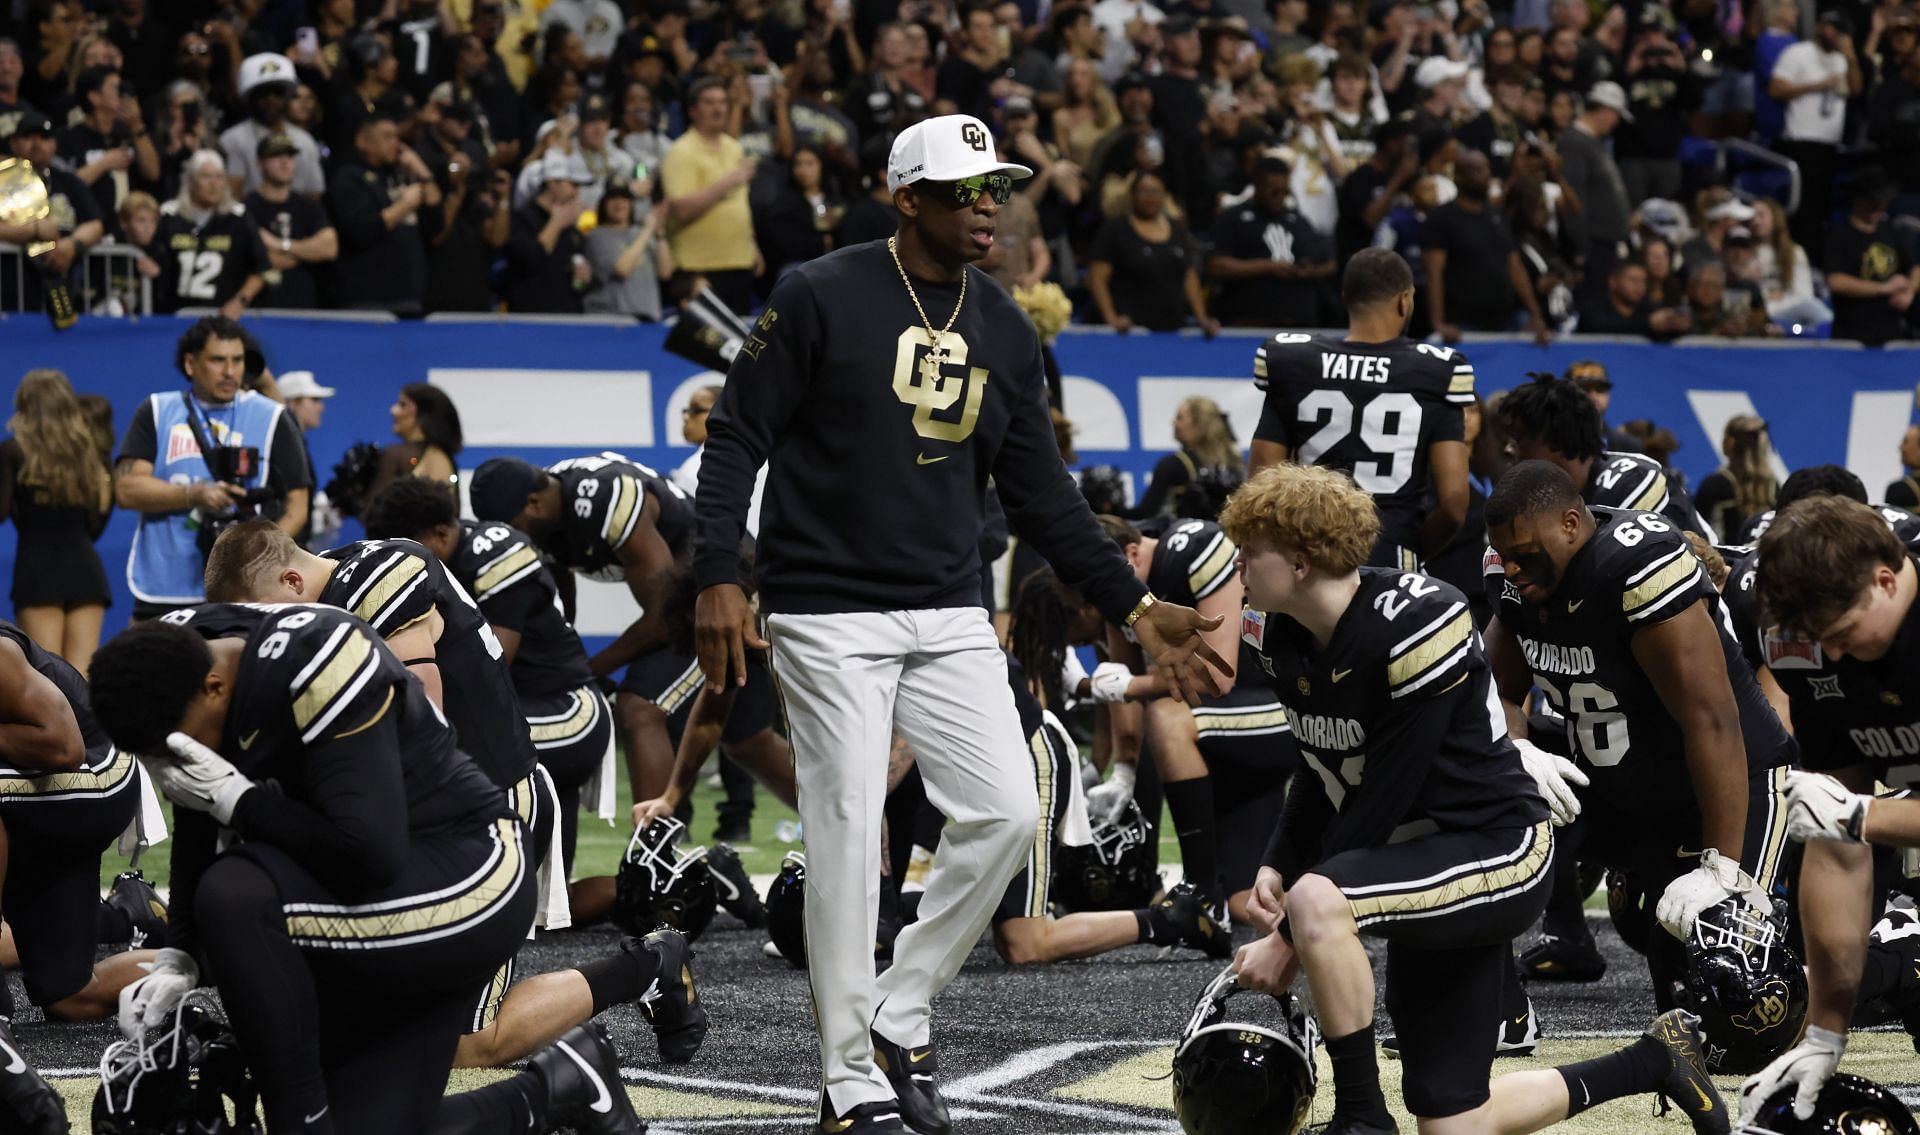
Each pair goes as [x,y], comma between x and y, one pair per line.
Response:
[847,683]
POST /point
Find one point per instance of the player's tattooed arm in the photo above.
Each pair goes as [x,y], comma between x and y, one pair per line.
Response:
[1683,659]
[37,727]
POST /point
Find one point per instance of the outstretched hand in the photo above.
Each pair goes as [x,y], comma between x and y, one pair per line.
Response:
[1174,637]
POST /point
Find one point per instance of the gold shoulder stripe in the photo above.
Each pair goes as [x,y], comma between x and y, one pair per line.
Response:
[1214,569]
[1260,363]
[1462,383]
[1653,495]
[390,582]
[623,511]
[334,677]
[1653,592]
[508,567]
[370,722]
[1419,660]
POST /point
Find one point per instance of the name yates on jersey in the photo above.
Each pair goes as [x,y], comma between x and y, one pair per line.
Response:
[1356,368]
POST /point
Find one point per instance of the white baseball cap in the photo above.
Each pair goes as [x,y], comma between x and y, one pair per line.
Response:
[1609,94]
[946,148]
[301,384]
[263,69]
[1437,69]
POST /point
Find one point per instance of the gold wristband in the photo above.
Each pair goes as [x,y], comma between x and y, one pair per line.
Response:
[1140,608]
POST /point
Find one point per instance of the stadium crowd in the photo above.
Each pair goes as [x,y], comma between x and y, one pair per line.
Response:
[1195,163]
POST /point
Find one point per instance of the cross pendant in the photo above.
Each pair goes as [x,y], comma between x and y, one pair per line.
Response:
[930,364]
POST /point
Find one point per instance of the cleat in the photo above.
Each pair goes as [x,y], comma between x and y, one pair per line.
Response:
[1202,924]
[671,1003]
[735,890]
[1338,1126]
[1688,1084]
[1519,1036]
[27,1104]
[860,1119]
[582,1073]
[1562,959]
[738,831]
[132,895]
[910,1071]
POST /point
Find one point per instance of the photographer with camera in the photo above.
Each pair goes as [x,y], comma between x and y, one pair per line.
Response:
[229,454]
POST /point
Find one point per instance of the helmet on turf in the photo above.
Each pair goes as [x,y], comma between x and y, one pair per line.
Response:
[787,908]
[1115,871]
[185,1076]
[661,884]
[1630,909]
[1746,984]
[1848,1105]
[1244,1071]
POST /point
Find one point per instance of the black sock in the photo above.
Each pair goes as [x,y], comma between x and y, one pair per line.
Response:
[1156,928]
[1639,1067]
[1356,1078]
[620,978]
[516,1104]
[889,900]
[113,925]
[1190,803]
[1566,915]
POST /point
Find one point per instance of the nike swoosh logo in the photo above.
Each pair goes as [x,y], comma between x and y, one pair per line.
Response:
[1521,1019]
[923,459]
[831,1125]
[1574,605]
[1705,1101]
[17,1064]
[314,1117]
[917,1057]
[247,741]
[603,1100]
[733,892]
[1339,674]
[1586,1097]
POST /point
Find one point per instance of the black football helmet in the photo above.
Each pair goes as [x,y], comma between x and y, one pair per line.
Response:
[1245,1071]
[1747,986]
[185,1077]
[1630,909]
[660,884]
[787,908]
[1114,872]
[1203,497]
[1104,488]
[1848,1105]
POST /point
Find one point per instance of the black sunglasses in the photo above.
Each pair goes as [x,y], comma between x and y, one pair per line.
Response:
[967,190]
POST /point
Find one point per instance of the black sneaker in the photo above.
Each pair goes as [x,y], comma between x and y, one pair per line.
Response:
[133,896]
[733,831]
[671,1003]
[1554,958]
[1201,922]
[860,1118]
[730,882]
[27,1103]
[584,1092]
[1688,1083]
[910,1071]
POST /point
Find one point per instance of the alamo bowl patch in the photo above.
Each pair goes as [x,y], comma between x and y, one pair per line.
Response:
[1253,629]
[1492,564]
[1787,652]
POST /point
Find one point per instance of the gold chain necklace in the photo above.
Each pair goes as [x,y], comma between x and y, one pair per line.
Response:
[936,340]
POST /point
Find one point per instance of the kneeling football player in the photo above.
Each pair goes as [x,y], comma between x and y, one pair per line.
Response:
[1419,826]
[349,876]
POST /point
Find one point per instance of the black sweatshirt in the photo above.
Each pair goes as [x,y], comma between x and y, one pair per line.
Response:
[874,500]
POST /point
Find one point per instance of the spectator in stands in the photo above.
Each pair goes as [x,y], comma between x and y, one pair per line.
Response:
[1591,378]
[799,217]
[1179,96]
[475,215]
[1570,65]
[172,486]
[294,228]
[210,254]
[1869,270]
[386,205]
[1905,493]
[598,23]
[1665,288]
[1271,266]
[57,27]
[1893,126]
[1143,268]
[1369,192]
[628,257]
[1661,94]
[705,180]
[428,426]
[1591,173]
[139,223]
[1542,251]
[55,487]
[373,93]
[12,103]
[882,100]
[1019,256]
[1785,274]
[1781,31]
[73,222]
[1353,114]
[187,130]
[266,84]
[1087,113]
[480,76]
[1625,310]
[547,269]
[1720,307]
[975,64]
[1815,78]
[1717,212]
[1441,83]
[109,146]
[1497,131]
[1057,184]
[1476,280]
[143,44]
[642,133]
[1744,486]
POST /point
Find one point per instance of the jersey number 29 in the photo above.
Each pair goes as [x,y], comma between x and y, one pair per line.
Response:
[1389,429]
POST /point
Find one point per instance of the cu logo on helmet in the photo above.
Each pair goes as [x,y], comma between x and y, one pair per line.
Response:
[973,136]
[1769,1010]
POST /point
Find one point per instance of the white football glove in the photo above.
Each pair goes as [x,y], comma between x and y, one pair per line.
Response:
[171,975]
[1805,1067]
[1109,682]
[1108,800]
[198,778]
[1556,777]
[1714,881]
[1820,807]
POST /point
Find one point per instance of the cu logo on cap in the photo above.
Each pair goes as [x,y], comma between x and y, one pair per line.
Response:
[973,136]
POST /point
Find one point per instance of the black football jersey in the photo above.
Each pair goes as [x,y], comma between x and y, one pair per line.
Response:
[503,571]
[1757,526]
[1192,560]
[392,584]
[604,496]
[1404,639]
[1368,409]
[73,687]
[204,264]
[1636,571]
[1742,601]
[313,674]
[1637,482]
